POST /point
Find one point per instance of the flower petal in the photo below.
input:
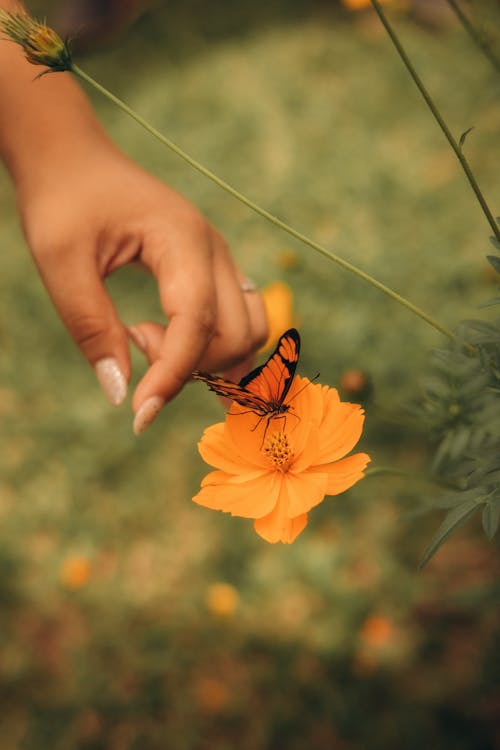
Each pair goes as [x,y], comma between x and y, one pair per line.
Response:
[252,499]
[247,432]
[340,430]
[221,477]
[305,446]
[313,398]
[303,491]
[215,451]
[304,401]
[215,478]
[343,474]
[276,527]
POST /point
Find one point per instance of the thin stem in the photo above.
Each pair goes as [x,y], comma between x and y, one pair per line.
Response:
[429,478]
[437,116]
[261,211]
[475,35]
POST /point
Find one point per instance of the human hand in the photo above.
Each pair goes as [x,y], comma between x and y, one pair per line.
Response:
[91,215]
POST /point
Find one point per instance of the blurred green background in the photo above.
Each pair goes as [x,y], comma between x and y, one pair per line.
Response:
[132,619]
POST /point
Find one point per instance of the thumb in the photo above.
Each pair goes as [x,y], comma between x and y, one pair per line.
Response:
[85,308]
[148,338]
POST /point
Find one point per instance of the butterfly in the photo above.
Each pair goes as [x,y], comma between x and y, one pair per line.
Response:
[265,389]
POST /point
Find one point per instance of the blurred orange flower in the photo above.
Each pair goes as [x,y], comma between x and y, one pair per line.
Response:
[360,4]
[287,259]
[356,4]
[212,694]
[75,572]
[377,631]
[222,599]
[276,470]
[380,642]
[278,301]
[355,384]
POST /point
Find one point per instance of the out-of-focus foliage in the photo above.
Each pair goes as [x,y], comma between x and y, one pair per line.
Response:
[462,407]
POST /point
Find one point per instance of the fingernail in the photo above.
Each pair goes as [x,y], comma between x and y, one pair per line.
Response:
[147,413]
[111,379]
[138,338]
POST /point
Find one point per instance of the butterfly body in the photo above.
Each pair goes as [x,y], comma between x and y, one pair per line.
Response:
[263,390]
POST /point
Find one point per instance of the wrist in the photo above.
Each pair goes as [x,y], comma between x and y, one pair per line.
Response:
[45,123]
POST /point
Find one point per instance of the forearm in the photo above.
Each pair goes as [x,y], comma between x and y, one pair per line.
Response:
[43,121]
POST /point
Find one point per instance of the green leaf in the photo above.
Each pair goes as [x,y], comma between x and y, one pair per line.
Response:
[475,324]
[442,451]
[451,500]
[479,435]
[459,441]
[482,332]
[464,136]
[452,522]
[494,261]
[437,389]
[491,517]
[495,242]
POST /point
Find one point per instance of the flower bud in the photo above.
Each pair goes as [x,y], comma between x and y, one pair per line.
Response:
[41,44]
[355,384]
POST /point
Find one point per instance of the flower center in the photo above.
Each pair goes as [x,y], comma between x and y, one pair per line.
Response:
[277,449]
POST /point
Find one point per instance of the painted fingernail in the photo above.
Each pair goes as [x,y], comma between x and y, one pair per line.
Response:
[147,413]
[112,380]
[138,338]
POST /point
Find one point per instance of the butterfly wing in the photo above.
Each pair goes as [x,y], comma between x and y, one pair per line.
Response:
[235,392]
[271,381]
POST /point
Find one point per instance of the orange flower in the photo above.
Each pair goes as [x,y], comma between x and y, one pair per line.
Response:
[287,260]
[360,4]
[212,694]
[276,470]
[355,384]
[75,572]
[222,599]
[377,631]
[278,301]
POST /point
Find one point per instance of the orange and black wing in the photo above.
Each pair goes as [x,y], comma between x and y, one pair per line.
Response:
[271,381]
[235,392]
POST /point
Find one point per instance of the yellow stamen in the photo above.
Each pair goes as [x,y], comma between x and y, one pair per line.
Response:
[278,450]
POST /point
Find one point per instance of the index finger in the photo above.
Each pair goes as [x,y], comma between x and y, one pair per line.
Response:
[189,300]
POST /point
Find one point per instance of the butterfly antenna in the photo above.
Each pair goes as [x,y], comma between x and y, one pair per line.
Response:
[304,387]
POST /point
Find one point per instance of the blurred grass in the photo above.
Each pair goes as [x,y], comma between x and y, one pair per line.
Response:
[306,109]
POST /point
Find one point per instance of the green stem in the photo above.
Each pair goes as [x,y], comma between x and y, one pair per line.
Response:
[429,478]
[261,211]
[475,35]
[437,116]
